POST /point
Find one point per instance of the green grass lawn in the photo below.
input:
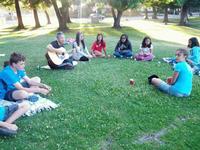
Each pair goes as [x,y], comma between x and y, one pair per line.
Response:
[99,109]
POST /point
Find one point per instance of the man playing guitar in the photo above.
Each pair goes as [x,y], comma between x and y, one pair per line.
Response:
[57,56]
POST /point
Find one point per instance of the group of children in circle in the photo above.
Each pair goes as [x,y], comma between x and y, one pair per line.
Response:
[185,63]
[80,52]
[15,85]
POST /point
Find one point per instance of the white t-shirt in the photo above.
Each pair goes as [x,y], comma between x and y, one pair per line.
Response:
[79,51]
[146,50]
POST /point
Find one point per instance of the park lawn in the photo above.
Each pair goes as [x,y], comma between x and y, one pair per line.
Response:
[98,108]
[193,26]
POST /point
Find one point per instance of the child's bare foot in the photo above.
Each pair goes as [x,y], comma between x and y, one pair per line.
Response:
[11,127]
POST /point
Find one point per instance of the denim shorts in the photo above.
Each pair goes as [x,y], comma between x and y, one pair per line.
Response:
[9,95]
[9,110]
[166,88]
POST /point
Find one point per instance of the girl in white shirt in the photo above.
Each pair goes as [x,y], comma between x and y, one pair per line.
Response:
[80,51]
[146,50]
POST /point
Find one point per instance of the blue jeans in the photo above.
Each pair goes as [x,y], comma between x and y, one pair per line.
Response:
[9,110]
[123,54]
[166,88]
[196,69]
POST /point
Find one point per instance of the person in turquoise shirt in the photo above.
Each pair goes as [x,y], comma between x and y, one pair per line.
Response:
[194,57]
[15,84]
[180,84]
[8,115]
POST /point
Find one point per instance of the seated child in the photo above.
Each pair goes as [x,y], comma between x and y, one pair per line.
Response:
[194,56]
[123,48]
[146,50]
[97,46]
[80,51]
[180,84]
[15,84]
[8,115]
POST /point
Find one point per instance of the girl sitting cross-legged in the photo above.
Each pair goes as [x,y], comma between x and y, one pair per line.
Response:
[98,46]
[146,50]
[123,48]
[80,51]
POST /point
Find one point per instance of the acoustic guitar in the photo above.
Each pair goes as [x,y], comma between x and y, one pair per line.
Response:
[55,60]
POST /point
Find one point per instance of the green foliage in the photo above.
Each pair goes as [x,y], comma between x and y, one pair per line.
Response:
[7,3]
[123,5]
[159,3]
[189,3]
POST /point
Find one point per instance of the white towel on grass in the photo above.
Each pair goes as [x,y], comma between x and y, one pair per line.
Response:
[35,107]
[2,55]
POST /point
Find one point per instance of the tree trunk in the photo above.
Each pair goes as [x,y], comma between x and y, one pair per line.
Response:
[65,11]
[166,20]
[62,23]
[146,14]
[19,16]
[37,22]
[183,17]
[154,13]
[47,16]
[190,12]
[68,17]
[117,18]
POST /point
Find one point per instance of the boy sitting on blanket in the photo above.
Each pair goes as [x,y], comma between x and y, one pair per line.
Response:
[15,85]
[8,115]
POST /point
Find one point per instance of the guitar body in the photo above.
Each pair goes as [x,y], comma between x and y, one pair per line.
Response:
[54,60]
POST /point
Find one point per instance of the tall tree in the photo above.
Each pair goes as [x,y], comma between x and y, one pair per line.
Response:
[146,14]
[185,5]
[15,3]
[154,16]
[45,4]
[165,4]
[65,10]
[34,5]
[154,4]
[60,16]
[118,7]
[19,15]
[47,16]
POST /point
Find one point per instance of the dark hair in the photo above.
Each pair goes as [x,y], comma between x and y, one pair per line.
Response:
[144,42]
[6,63]
[78,39]
[58,34]
[183,51]
[194,41]
[16,57]
[100,34]
[126,36]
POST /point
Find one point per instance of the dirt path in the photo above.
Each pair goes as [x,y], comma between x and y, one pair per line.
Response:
[159,31]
